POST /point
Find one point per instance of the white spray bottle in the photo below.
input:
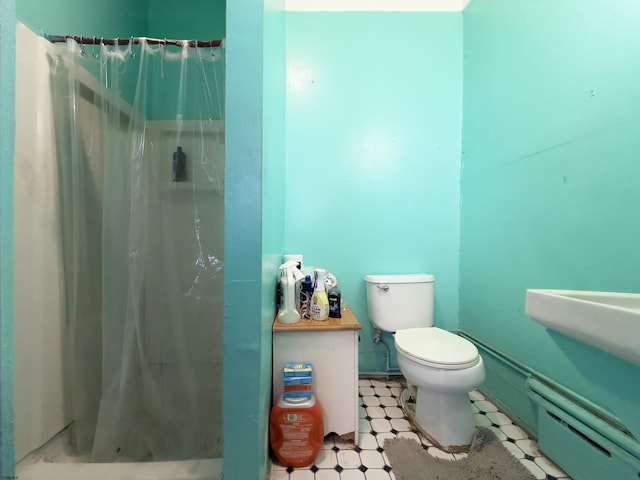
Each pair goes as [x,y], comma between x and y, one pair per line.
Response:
[288,278]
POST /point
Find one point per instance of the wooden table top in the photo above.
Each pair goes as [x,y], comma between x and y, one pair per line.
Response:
[347,322]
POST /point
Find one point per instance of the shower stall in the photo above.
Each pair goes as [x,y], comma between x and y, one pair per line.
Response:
[119,258]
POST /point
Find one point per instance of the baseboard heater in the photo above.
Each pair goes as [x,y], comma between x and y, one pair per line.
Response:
[582,443]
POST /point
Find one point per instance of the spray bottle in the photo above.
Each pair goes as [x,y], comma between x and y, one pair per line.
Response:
[319,300]
[288,278]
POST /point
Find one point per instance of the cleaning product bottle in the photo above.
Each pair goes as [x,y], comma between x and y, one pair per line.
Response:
[288,312]
[319,300]
[179,166]
[334,297]
[296,431]
[306,292]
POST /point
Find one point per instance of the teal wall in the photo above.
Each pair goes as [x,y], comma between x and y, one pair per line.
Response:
[189,19]
[192,19]
[373,152]
[118,18]
[7,132]
[273,197]
[250,259]
[550,171]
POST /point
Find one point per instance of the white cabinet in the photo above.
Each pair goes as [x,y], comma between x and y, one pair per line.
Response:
[332,348]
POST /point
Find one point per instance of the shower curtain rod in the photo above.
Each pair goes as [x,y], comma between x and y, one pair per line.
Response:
[126,41]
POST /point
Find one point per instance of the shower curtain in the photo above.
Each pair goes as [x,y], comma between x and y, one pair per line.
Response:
[140,148]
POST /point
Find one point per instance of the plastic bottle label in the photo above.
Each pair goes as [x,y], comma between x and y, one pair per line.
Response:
[305,300]
[296,434]
[319,307]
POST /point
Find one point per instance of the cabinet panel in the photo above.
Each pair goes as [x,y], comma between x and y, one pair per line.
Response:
[334,357]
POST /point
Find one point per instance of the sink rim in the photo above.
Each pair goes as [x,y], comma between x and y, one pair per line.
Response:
[573,314]
[590,296]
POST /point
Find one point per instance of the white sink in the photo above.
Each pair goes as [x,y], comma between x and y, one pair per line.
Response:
[609,321]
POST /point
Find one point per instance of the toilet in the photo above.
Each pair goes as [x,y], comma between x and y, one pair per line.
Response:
[442,366]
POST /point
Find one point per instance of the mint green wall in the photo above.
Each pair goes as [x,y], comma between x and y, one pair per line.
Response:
[249,260]
[550,171]
[273,161]
[116,18]
[120,18]
[373,151]
[7,131]
[273,195]
[191,19]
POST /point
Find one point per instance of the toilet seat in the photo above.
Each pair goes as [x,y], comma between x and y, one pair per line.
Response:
[437,348]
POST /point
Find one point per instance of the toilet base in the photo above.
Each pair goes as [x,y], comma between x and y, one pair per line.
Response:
[445,420]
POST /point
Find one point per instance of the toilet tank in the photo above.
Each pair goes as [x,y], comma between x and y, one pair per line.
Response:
[396,302]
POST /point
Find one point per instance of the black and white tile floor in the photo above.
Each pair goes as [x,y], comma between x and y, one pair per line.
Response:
[381,417]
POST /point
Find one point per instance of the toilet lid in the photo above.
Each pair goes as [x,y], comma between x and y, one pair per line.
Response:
[436,347]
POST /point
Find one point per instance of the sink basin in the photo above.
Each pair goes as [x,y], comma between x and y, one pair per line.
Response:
[609,321]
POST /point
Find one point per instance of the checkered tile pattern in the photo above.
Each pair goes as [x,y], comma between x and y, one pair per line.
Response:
[381,417]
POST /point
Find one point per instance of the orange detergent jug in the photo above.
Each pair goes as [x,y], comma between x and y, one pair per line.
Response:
[296,431]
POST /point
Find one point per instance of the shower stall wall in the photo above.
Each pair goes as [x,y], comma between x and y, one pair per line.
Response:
[118,267]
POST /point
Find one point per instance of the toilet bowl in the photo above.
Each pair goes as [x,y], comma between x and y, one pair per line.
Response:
[442,366]
[443,376]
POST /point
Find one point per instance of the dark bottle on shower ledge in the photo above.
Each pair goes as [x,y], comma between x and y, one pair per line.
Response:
[179,166]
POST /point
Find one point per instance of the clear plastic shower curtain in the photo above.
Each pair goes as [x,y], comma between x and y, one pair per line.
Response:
[142,242]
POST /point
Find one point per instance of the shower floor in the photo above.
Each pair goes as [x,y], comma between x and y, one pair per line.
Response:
[53,462]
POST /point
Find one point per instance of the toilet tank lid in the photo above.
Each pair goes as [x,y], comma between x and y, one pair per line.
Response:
[402,278]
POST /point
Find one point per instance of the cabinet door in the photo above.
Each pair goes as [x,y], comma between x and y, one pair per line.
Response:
[334,358]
